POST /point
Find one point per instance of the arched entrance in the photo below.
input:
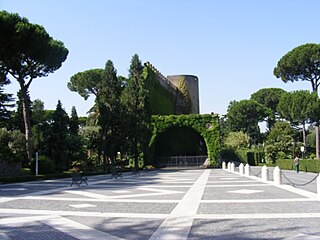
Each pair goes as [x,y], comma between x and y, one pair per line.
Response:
[180,146]
[206,125]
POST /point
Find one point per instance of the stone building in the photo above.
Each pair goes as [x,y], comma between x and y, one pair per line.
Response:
[183,88]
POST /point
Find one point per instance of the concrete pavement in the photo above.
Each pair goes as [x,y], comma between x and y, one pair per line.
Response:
[167,204]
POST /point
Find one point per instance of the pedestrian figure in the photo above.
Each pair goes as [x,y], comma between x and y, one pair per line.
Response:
[296,163]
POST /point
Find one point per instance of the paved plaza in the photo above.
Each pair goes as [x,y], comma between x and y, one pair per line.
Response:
[164,204]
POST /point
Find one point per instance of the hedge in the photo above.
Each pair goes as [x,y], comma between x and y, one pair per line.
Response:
[251,156]
[45,166]
[307,165]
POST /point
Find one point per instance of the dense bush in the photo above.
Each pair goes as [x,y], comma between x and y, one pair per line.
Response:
[12,146]
[307,165]
[251,156]
[45,166]
[228,154]
[237,140]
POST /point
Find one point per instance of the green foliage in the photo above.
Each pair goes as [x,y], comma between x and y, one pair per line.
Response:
[74,122]
[178,141]
[307,165]
[300,64]
[184,91]
[206,125]
[58,138]
[236,140]
[27,48]
[228,154]
[107,112]
[136,99]
[299,106]
[245,116]
[251,156]
[162,101]
[27,52]
[45,166]
[74,141]
[87,82]
[311,142]
[279,142]
[91,136]
[12,146]
[281,128]
[242,155]
[269,97]
[5,102]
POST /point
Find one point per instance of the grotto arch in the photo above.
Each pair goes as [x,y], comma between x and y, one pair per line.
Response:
[207,125]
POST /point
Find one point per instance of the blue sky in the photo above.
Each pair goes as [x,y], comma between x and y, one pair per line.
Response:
[231,45]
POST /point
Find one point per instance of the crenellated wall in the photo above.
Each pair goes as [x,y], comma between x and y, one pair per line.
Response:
[185,88]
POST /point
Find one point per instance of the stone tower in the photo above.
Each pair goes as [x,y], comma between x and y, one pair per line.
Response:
[192,83]
[187,99]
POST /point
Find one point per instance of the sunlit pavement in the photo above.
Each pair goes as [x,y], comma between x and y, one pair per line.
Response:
[167,204]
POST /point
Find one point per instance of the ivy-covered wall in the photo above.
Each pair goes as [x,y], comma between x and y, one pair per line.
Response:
[162,101]
[179,141]
[205,124]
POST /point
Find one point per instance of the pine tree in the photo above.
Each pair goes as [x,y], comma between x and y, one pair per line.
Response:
[58,138]
[74,142]
[74,122]
[138,110]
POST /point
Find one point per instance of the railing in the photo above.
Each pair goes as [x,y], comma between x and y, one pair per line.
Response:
[182,161]
[277,175]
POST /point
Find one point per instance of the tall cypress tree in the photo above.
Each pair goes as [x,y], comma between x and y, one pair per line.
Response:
[58,136]
[111,98]
[74,122]
[138,109]
[74,142]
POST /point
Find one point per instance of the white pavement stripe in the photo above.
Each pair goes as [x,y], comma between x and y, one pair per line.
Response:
[12,189]
[303,237]
[177,225]
[67,226]
[260,200]
[157,193]
[289,188]
[87,194]
[99,200]
[239,185]
[258,216]
[83,214]
[85,205]
[233,181]
[61,189]
[78,230]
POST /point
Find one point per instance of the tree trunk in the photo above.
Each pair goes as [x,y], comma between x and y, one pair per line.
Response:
[304,134]
[26,120]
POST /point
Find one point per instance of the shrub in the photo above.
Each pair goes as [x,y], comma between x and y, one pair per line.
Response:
[307,165]
[229,155]
[237,140]
[45,166]
[251,156]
